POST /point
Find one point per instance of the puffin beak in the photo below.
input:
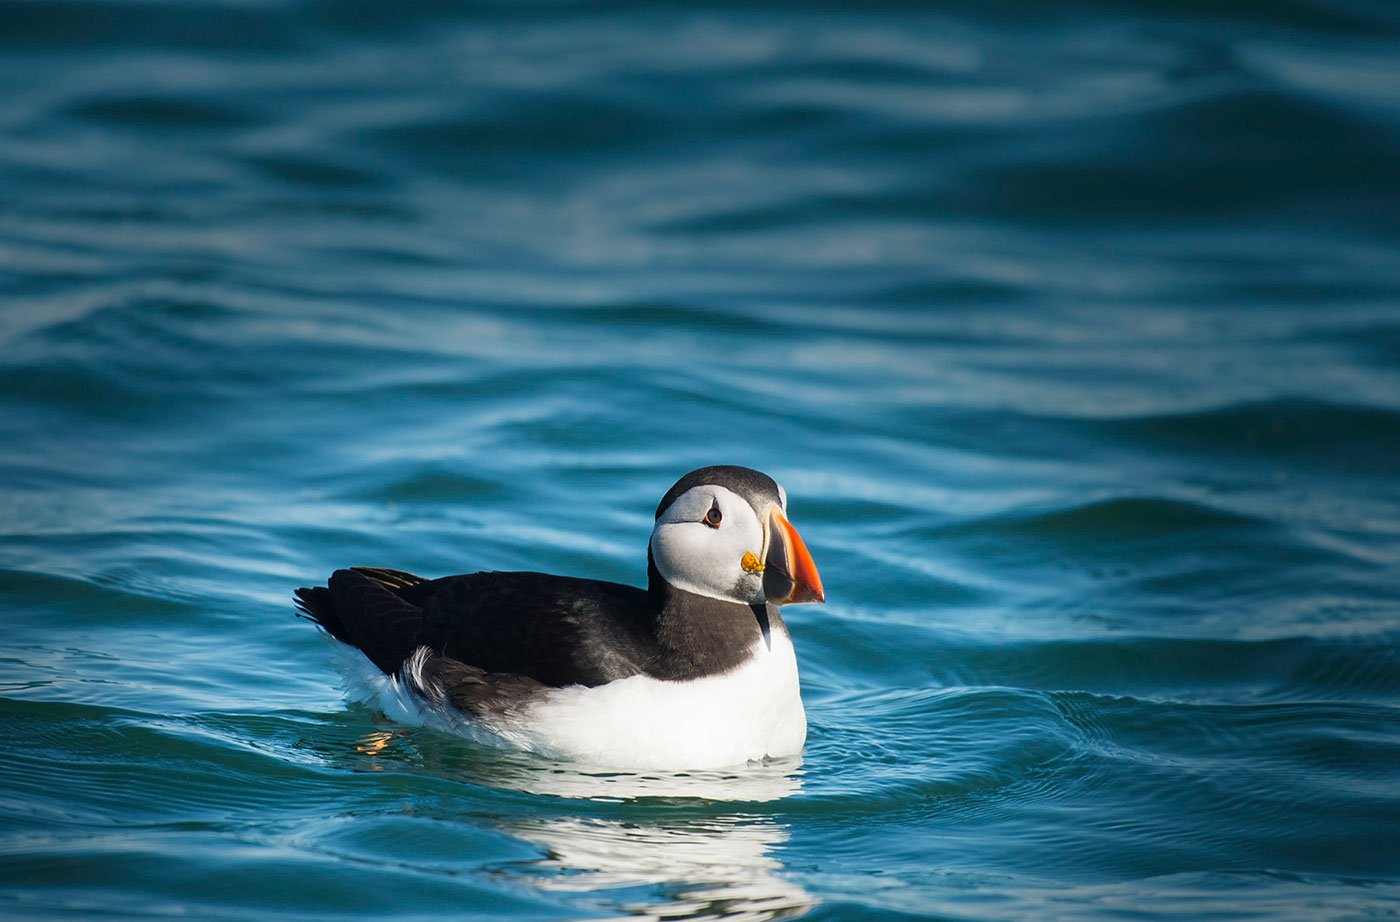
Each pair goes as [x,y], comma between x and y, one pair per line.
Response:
[789,575]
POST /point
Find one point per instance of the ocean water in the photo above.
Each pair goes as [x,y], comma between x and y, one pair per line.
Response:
[1072,330]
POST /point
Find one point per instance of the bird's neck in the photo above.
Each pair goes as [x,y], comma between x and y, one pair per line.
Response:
[697,635]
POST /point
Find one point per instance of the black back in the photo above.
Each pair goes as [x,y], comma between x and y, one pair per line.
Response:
[556,630]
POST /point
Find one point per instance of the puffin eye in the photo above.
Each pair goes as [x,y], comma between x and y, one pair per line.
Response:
[713,517]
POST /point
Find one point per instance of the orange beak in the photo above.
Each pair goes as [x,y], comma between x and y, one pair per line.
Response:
[789,575]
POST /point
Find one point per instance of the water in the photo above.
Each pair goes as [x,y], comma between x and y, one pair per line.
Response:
[1073,333]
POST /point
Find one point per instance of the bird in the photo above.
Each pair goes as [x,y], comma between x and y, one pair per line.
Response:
[695,671]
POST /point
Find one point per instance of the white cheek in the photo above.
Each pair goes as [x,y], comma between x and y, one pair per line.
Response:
[706,561]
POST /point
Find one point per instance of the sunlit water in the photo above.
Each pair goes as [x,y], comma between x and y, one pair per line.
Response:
[1073,334]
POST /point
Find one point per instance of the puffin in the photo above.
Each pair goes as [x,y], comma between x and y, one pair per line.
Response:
[694,671]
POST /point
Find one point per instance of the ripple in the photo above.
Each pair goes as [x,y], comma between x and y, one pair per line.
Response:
[69,24]
[1208,164]
[157,112]
[490,140]
[1302,432]
[1109,521]
[317,173]
[435,485]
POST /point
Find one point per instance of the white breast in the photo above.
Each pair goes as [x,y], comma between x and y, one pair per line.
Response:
[644,723]
[641,722]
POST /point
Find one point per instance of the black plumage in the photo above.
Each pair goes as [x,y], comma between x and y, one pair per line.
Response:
[557,630]
[485,640]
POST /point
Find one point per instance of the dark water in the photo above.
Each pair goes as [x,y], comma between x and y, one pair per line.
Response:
[1073,332]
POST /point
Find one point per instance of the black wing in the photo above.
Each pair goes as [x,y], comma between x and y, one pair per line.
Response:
[554,629]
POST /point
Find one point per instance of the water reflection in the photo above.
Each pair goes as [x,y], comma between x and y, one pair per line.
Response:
[719,868]
[754,784]
[711,866]
[648,845]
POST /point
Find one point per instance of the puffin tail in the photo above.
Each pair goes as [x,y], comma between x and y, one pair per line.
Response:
[314,604]
[367,608]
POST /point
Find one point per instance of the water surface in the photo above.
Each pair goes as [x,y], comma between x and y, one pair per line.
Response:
[1073,334]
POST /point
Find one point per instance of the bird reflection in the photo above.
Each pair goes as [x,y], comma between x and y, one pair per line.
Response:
[758,783]
[722,868]
[692,867]
[676,845]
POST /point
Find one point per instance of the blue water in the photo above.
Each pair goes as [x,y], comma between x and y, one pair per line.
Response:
[1072,331]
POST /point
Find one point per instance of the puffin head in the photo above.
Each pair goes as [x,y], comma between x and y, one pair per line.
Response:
[723,532]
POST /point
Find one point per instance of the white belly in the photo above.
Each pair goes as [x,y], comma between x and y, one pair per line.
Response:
[640,722]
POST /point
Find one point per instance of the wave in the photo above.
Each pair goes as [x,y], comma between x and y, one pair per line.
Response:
[1279,431]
